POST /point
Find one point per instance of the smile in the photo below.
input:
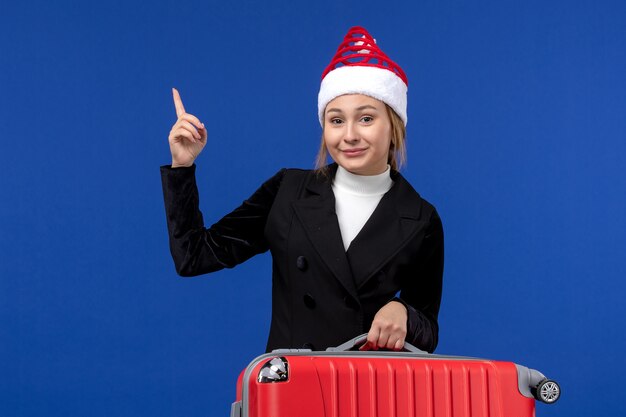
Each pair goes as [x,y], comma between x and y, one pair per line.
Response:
[353,152]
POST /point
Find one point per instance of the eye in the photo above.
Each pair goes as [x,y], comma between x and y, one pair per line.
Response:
[335,121]
[367,119]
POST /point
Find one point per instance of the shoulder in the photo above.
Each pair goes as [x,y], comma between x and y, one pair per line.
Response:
[299,177]
[290,182]
[288,175]
[297,172]
[283,180]
[410,201]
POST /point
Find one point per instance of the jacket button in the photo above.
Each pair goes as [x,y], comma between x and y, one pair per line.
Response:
[301,263]
[309,301]
[351,303]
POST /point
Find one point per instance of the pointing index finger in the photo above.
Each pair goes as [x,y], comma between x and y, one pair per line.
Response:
[178,103]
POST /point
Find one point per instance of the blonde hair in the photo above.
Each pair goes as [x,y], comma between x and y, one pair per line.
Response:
[397,148]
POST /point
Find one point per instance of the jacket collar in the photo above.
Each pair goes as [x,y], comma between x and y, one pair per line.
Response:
[394,221]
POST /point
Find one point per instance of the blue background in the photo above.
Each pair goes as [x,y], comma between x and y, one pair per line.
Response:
[516,133]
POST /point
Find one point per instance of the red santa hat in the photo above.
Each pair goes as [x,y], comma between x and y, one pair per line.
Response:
[360,67]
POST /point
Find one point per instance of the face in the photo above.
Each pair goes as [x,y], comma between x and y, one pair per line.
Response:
[357,133]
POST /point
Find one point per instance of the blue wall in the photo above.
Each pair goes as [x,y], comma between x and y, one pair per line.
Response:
[517,134]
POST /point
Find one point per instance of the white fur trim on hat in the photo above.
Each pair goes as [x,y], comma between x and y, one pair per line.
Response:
[379,83]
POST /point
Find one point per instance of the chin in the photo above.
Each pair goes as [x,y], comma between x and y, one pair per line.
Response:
[352,167]
[360,169]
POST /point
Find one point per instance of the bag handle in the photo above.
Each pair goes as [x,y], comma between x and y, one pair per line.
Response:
[360,340]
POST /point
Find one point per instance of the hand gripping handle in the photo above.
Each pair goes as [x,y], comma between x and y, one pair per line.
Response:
[360,340]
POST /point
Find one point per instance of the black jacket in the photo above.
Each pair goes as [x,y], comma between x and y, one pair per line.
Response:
[322,294]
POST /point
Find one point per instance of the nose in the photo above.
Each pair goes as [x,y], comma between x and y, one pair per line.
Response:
[351,135]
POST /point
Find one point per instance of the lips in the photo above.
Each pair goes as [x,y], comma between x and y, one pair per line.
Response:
[353,152]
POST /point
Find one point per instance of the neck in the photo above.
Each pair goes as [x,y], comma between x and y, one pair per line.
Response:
[363,184]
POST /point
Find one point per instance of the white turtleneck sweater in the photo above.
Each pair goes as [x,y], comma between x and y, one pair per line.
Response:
[356,197]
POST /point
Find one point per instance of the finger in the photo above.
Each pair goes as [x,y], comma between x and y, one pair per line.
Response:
[178,103]
[373,335]
[372,338]
[382,340]
[391,343]
[184,124]
[180,134]
[399,345]
[193,120]
[368,346]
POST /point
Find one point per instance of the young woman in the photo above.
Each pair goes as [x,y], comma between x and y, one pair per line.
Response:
[355,248]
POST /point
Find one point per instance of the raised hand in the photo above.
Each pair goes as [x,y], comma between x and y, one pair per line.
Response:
[187,137]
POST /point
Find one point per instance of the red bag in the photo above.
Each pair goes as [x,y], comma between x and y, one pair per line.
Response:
[340,382]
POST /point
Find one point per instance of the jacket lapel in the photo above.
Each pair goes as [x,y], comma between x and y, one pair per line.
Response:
[394,221]
[316,212]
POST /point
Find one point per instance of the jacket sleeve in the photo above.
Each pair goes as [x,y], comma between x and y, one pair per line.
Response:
[232,240]
[422,295]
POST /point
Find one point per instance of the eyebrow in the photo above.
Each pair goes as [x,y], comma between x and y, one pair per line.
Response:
[360,108]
